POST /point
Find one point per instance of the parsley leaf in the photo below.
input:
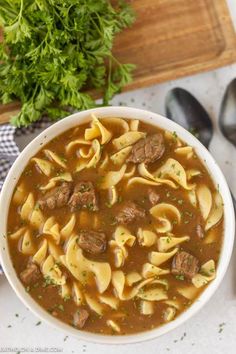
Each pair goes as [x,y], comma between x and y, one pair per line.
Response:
[54,51]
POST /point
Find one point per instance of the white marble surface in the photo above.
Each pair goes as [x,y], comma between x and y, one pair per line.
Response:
[213,329]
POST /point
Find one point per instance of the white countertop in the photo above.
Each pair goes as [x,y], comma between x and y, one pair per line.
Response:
[213,329]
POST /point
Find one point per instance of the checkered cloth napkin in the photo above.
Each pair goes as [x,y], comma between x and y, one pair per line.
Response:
[8,148]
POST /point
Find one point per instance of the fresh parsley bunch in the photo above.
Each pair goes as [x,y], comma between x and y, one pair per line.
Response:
[55,50]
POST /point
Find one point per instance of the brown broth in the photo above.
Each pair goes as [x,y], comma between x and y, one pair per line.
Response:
[128,315]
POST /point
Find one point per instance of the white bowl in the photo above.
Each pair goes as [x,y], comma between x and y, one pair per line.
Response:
[72,121]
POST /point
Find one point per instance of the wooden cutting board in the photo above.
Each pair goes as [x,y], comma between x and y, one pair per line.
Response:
[170,39]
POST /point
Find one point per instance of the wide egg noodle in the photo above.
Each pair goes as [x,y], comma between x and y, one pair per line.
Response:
[36,219]
[27,207]
[97,130]
[54,180]
[204,197]
[140,180]
[117,123]
[134,125]
[110,301]
[173,303]
[186,151]
[118,282]
[192,172]
[120,253]
[74,143]
[172,136]
[30,212]
[154,294]
[93,161]
[143,171]
[114,326]
[157,258]
[27,244]
[127,139]
[46,167]
[52,271]
[55,251]
[41,253]
[146,307]
[169,314]
[132,278]
[210,236]
[129,172]
[216,212]
[112,178]
[165,214]
[113,195]
[163,282]
[149,270]
[65,291]
[192,196]
[174,170]
[85,152]
[122,238]
[68,228]
[165,243]
[78,265]
[78,295]
[146,238]
[97,154]
[81,164]
[104,163]
[94,304]
[120,157]
[19,195]
[92,132]
[18,233]
[52,228]
[206,274]
[189,292]
[55,158]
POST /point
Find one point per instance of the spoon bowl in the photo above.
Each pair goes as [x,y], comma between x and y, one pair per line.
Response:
[227,117]
[184,109]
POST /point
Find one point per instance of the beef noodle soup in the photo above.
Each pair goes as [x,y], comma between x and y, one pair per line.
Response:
[115,226]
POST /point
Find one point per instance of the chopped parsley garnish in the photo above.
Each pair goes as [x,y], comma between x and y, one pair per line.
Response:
[66,298]
[61,307]
[174,134]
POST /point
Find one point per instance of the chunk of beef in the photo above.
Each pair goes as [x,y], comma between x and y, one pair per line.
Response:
[80,318]
[153,196]
[84,196]
[185,264]
[200,231]
[92,241]
[57,197]
[130,212]
[148,150]
[31,274]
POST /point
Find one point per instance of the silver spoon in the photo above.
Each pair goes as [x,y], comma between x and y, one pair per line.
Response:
[184,109]
[227,117]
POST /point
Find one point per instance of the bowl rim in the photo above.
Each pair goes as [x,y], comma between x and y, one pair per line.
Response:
[130,113]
